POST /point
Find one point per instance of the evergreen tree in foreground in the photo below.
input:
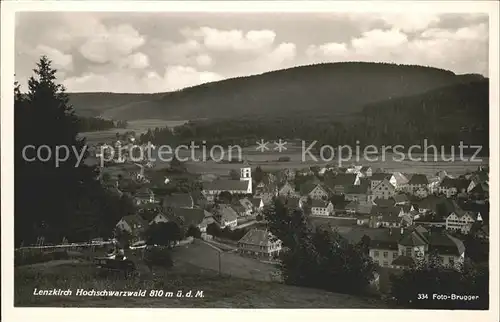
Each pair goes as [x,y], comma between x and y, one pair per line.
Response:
[53,199]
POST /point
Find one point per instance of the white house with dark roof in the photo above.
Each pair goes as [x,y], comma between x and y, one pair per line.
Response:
[400,247]
[417,181]
[461,220]
[398,180]
[243,186]
[259,243]
[377,178]
[135,225]
[226,216]
[321,208]
[384,190]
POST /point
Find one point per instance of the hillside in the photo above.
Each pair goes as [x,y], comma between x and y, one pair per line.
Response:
[334,88]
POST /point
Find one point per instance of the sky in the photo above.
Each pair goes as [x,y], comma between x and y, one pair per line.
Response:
[160,52]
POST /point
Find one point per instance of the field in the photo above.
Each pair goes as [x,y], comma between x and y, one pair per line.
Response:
[139,126]
[193,271]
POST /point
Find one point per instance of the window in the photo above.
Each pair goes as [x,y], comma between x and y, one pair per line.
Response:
[386,254]
[375,253]
[451,260]
[394,255]
[408,251]
[386,264]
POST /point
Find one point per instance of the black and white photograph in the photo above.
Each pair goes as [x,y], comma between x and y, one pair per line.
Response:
[252,159]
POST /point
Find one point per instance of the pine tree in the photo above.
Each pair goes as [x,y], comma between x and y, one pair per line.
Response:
[47,195]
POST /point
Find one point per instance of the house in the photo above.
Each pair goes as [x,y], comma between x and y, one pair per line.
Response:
[461,220]
[287,190]
[351,208]
[398,180]
[133,224]
[187,217]
[385,216]
[358,193]
[258,204]
[399,248]
[259,243]
[417,181]
[429,220]
[421,192]
[143,196]
[178,200]
[321,208]
[476,179]
[401,199]
[247,205]
[315,191]
[384,190]
[377,178]
[363,220]
[430,204]
[341,182]
[239,187]
[365,171]
[226,216]
[453,186]
[480,191]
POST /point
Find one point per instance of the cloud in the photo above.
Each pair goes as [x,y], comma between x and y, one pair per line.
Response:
[462,50]
[204,60]
[174,78]
[232,40]
[135,61]
[410,22]
[111,43]
[60,60]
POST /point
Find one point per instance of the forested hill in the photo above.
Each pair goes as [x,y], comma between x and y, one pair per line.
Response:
[443,116]
[333,88]
[457,112]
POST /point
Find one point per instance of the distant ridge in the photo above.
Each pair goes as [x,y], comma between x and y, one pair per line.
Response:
[330,88]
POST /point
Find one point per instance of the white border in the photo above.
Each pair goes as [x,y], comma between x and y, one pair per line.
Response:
[8,9]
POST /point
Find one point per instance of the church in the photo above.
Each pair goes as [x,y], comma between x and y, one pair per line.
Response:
[241,186]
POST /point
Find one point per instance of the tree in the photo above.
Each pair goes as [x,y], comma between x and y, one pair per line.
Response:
[177,166]
[56,189]
[432,277]
[193,232]
[318,258]
[258,175]
[214,229]
[235,175]
[259,217]
[225,197]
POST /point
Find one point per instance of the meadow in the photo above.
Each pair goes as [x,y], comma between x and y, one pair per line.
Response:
[193,271]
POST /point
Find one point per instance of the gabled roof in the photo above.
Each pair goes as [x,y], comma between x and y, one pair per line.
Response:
[144,192]
[380,202]
[246,203]
[135,220]
[481,188]
[400,178]
[319,203]
[386,183]
[389,214]
[227,212]
[400,198]
[194,217]
[457,183]
[257,237]
[418,179]
[362,188]
[379,176]
[178,200]
[413,238]
[255,202]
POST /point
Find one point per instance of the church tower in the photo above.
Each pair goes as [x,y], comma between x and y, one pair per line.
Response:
[246,175]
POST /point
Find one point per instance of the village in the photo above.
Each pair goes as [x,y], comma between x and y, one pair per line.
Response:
[406,216]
